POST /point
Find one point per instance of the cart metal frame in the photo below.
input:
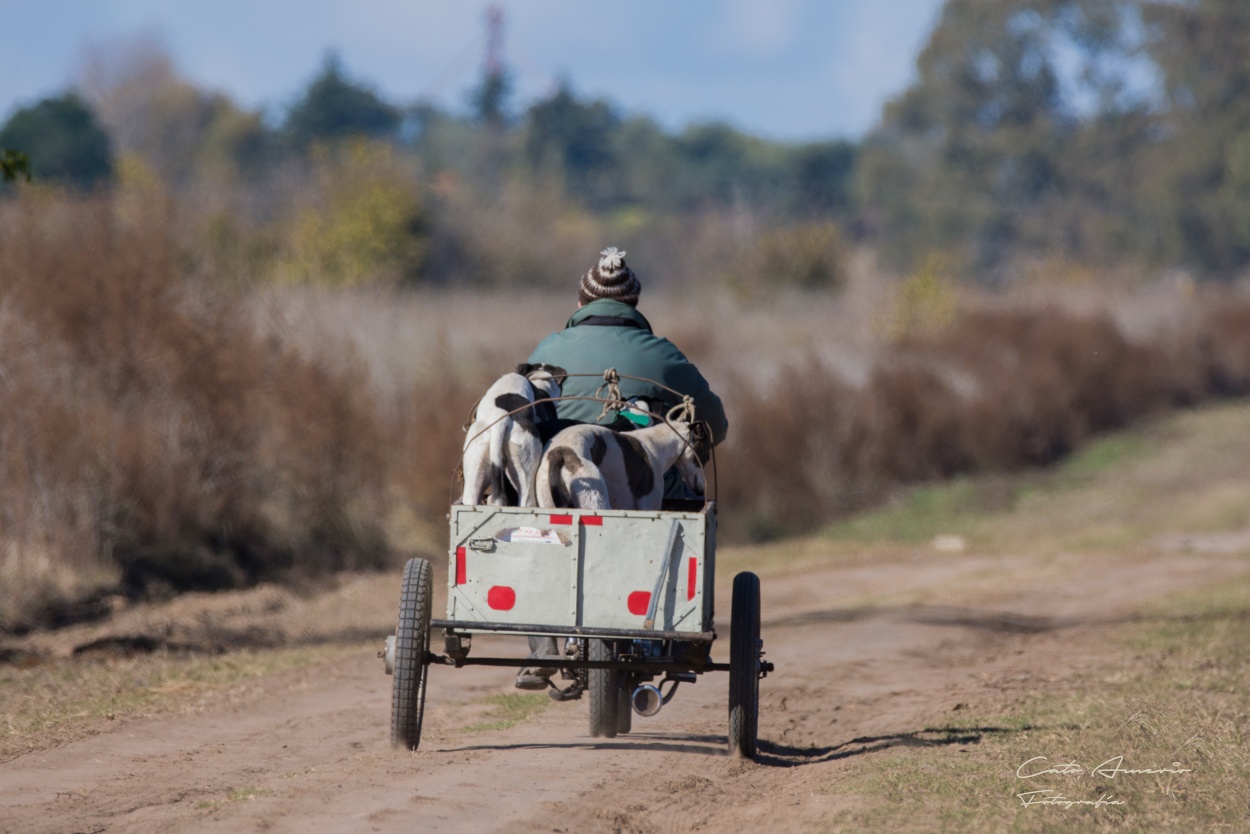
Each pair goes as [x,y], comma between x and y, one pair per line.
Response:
[630,592]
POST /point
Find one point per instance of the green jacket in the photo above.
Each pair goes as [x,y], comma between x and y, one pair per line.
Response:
[609,334]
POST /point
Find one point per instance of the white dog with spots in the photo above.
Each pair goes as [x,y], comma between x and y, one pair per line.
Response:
[593,467]
[503,448]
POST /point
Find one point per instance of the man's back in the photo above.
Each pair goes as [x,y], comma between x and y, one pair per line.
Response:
[606,334]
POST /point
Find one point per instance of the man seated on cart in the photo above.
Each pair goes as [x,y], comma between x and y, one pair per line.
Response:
[607,331]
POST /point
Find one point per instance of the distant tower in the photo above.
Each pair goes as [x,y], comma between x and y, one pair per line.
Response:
[490,95]
[494,41]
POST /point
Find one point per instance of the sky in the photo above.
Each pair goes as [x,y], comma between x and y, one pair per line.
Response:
[791,70]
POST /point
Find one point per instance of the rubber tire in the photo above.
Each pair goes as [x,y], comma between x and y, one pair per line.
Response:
[624,709]
[604,691]
[744,666]
[412,643]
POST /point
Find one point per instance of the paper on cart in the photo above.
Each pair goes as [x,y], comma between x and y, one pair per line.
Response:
[529,535]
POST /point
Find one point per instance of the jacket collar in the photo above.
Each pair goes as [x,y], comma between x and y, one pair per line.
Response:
[606,307]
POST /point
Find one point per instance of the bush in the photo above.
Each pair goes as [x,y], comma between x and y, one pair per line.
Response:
[997,390]
[806,256]
[62,140]
[151,440]
[363,224]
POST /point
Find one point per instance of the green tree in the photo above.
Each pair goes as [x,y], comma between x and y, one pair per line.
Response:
[334,108]
[575,139]
[823,184]
[183,134]
[14,165]
[490,98]
[969,152]
[723,166]
[62,140]
[1202,48]
[365,224]
[1035,126]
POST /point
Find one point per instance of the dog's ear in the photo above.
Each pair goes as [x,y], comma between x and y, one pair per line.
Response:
[554,371]
[557,373]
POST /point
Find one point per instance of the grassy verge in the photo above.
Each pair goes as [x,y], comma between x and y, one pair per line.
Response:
[509,710]
[971,507]
[66,699]
[1174,700]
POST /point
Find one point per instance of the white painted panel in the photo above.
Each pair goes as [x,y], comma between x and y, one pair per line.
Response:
[564,570]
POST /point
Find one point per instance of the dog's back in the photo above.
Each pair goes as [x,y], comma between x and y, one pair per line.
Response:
[569,474]
[593,467]
[503,447]
[500,444]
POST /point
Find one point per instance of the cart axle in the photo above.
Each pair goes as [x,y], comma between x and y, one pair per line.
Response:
[657,666]
[575,631]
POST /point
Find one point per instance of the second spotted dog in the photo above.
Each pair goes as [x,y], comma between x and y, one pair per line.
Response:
[593,467]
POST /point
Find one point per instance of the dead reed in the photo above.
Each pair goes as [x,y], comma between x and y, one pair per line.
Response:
[151,441]
[997,390]
[155,439]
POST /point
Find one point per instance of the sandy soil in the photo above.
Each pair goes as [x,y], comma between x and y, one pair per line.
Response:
[856,674]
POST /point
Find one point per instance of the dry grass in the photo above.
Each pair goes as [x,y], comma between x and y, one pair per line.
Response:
[997,390]
[59,700]
[1172,700]
[827,415]
[152,441]
[167,434]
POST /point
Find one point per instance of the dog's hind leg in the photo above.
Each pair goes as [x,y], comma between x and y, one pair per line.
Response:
[476,475]
[525,455]
[497,463]
[589,490]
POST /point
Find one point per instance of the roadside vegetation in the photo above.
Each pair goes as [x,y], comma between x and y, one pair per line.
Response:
[170,428]
[167,432]
[1168,697]
[1167,689]
[54,701]
[153,441]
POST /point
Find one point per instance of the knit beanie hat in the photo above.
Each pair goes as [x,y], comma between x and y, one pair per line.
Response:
[610,278]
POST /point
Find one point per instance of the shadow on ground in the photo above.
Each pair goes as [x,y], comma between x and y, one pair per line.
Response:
[770,754]
[1001,622]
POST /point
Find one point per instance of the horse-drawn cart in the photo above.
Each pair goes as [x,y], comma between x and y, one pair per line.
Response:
[631,593]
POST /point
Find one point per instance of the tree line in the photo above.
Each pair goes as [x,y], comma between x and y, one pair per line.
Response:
[1102,132]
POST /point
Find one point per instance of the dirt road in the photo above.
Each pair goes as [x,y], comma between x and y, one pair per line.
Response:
[856,674]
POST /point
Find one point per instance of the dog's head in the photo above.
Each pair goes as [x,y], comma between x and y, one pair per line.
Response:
[548,383]
[548,380]
[696,452]
[701,440]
